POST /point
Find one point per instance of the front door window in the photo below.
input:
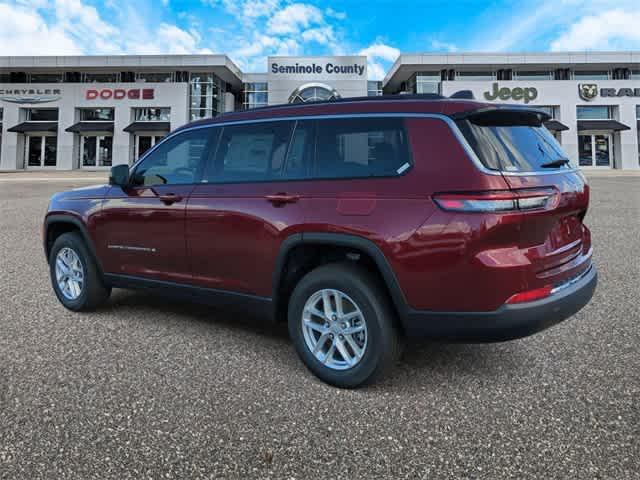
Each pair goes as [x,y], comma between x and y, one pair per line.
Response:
[42,151]
[595,150]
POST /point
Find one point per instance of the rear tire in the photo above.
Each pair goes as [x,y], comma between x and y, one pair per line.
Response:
[74,274]
[365,345]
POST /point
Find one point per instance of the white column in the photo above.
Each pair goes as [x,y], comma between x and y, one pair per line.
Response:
[67,156]
[10,155]
[628,138]
[570,137]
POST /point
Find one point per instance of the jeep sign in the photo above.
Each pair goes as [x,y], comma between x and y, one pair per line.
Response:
[525,94]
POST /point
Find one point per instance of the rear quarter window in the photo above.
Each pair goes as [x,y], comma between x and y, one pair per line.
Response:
[513,148]
[361,147]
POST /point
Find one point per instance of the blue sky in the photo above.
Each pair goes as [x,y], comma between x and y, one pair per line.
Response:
[249,31]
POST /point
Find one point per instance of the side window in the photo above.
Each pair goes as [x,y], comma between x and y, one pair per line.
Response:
[179,160]
[361,147]
[251,152]
[300,154]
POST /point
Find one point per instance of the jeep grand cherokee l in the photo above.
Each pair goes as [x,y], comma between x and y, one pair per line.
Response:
[358,222]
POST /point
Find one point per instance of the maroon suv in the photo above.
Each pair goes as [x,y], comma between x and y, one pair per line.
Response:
[358,221]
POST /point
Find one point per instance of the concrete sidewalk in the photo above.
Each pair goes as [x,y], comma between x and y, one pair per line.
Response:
[54,176]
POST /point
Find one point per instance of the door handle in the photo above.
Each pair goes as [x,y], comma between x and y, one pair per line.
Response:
[280,199]
[169,198]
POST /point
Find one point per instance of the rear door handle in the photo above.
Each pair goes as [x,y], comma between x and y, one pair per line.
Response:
[169,198]
[280,199]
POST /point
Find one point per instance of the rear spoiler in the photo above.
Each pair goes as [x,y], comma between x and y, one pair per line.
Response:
[504,116]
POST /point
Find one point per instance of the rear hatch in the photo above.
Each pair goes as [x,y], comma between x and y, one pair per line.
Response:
[513,142]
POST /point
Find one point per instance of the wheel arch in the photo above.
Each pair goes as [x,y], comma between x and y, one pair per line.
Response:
[58,224]
[343,242]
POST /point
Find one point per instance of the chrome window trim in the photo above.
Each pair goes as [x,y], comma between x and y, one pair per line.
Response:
[438,116]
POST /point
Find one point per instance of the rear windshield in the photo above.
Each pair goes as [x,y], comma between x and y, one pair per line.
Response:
[514,148]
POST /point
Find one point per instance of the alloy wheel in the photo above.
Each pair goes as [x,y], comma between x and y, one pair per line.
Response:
[69,273]
[334,329]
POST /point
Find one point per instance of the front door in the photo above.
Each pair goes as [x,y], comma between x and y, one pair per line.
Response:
[595,150]
[249,203]
[41,151]
[96,150]
[141,230]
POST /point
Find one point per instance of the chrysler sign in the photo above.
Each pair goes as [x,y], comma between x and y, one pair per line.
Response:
[30,95]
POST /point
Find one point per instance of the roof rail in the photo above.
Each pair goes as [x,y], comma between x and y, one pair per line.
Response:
[377,98]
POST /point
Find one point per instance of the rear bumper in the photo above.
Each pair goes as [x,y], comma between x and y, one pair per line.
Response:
[509,321]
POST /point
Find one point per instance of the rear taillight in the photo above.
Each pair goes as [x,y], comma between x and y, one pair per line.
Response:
[531,295]
[498,200]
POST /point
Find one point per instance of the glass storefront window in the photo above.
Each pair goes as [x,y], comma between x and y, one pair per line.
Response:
[313,93]
[96,150]
[534,75]
[154,77]
[152,114]
[34,151]
[551,110]
[374,88]
[206,95]
[424,82]
[475,75]
[255,95]
[101,77]
[591,75]
[41,150]
[45,77]
[594,112]
[42,115]
[97,114]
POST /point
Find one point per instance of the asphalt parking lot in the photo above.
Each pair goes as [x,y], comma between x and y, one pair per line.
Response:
[150,388]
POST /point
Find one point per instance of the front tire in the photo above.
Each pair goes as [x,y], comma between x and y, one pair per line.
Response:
[74,274]
[342,325]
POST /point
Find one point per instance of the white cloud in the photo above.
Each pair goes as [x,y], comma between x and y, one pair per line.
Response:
[25,32]
[81,20]
[332,13]
[443,46]
[380,50]
[379,55]
[260,8]
[613,29]
[293,18]
[71,27]
[321,35]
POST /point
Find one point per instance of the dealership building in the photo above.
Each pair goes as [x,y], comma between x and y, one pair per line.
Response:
[92,112]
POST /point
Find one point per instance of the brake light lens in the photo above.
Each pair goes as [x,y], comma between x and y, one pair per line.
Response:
[499,200]
[531,295]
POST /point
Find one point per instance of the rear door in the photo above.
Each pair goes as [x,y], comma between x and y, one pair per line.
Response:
[531,160]
[250,201]
[141,229]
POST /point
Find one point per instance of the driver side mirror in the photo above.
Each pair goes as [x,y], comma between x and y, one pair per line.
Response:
[119,175]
